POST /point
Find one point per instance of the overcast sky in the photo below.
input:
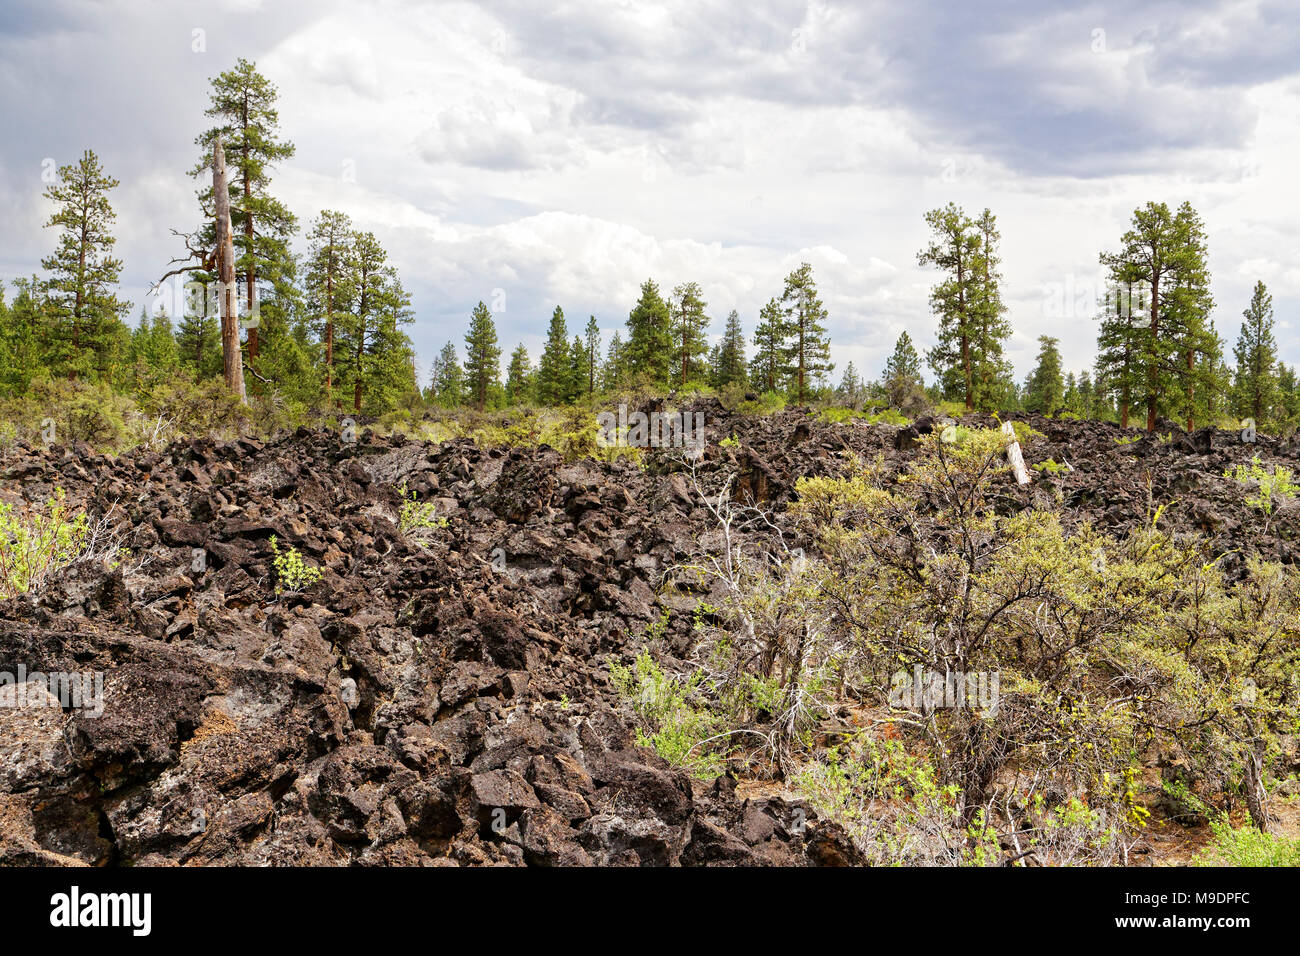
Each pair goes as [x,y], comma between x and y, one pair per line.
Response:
[536,153]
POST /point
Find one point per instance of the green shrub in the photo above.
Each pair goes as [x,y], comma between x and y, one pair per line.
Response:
[417,516]
[1051,467]
[673,725]
[1272,485]
[36,542]
[1246,846]
[291,573]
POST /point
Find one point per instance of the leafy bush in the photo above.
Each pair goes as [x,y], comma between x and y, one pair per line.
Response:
[291,572]
[1246,846]
[418,517]
[1052,467]
[1272,485]
[1102,644]
[36,542]
[672,724]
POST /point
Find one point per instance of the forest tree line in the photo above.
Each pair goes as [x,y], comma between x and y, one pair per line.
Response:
[325,329]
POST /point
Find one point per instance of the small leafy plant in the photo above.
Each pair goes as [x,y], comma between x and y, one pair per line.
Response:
[1273,486]
[291,572]
[38,541]
[675,727]
[1246,846]
[1051,467]
[418,515]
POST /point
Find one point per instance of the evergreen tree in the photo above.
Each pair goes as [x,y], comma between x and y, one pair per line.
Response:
[904,387]
[554,372]
[198,340]
[809,349]
[329,281]
[689,322]
[955,248]
[519,377]
[1086,396]
[1197,375]
[577,380]
[1164,254]
[88,334]
[1119,340]
[593,355]
[992,372]
[850,389]
[1255,389]
[648,354]
[447,386]
[613,372]
[1288,406]
[482,356]
[153,356]
[1045,389]
[375,358]
[21,338]
[248,125]
[769,370]
[727,363]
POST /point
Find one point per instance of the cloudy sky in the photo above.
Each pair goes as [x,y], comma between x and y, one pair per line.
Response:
[530,154]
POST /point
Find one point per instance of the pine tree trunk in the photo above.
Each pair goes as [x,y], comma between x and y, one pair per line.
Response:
[232,361]
[250,276]
[1153,372]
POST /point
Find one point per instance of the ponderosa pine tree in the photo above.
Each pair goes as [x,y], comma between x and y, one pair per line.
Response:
[850,389]
[554,371]
[577,370]
[152,357]
[1119,340]
[248,125]
[1045,390]
[22,338]
[198,340]
[648,355]
[1288,404]
[1198,376]
[727,361]
[482,356]
[613,372]
[1255,389]
[374,355]
[87,335]
[519,377]
[329,281]
[1164,253]
[769,369]
[593,354]
[686,307]
[809,347]
[992,372]
[904,387]
[447,383]
[955,249]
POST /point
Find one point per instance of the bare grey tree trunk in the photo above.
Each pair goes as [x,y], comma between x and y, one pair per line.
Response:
[233,363]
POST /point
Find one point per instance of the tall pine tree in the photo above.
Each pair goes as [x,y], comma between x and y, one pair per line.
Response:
[482,356]
[809,348]
[1255,388]
[554,374]
[689,323]
[88,335]
[648,354]
[248,125]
